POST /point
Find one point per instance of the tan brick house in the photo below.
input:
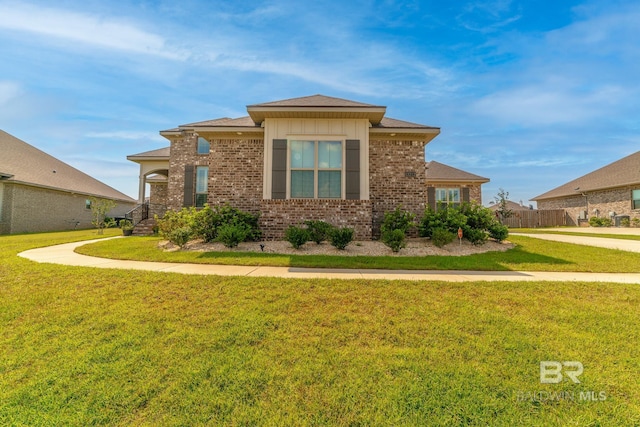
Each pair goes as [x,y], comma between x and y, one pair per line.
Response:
[315,157]
[449,185]
[613,190]
[41,193]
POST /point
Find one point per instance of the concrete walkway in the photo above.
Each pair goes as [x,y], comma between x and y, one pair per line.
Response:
[64,254]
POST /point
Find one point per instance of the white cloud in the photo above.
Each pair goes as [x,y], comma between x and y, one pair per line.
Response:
[9,91]
[127,135]
[94,30]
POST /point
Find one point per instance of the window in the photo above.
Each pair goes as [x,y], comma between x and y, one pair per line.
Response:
[448,196]
[635,199]
[203,146]
[316,169]
[87,204]
[202,187]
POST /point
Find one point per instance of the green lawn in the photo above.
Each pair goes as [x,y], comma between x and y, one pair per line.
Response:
[568,232]
[529,255]
[83,346]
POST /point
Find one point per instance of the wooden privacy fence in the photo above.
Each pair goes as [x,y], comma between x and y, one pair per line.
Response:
[532,218]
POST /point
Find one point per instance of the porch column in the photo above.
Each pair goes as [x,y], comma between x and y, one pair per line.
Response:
[141,186]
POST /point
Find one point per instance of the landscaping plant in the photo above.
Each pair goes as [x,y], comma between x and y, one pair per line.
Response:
[395,239]
[341,237]
[297,236]
[318,230]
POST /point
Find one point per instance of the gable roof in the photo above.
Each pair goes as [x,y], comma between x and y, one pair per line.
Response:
[510,205]
[439,172]
[623,172]
[25,164]
[314,106]
[159,154]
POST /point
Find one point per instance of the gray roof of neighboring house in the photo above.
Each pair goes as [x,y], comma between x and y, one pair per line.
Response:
[224,122]
[623,172]
[29,165]
[160,154]
[439,172]
[510,205]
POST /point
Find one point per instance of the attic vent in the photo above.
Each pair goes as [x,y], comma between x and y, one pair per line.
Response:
[409,174]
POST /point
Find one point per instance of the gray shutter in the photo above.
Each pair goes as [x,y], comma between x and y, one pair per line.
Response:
[188,185]
[431,197]
[279,169]
[465,194]
[352,169]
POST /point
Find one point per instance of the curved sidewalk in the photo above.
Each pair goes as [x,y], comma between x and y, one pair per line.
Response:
[64,254]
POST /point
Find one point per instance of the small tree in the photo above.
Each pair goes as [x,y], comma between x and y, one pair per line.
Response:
[503,209]
[99,209]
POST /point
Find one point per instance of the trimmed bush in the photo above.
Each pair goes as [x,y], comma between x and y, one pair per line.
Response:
[398,219]
[395,239]
[441,237]
[475,236]
[341,237]
[232,234]
[594,221]
[297,236]
[498,232]
[207,222]
[318,230]
[174,220]
[180,236]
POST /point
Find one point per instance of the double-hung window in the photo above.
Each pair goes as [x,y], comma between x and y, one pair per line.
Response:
[635,199]
[448,196]
[203,146]
[202,187]
[315,169]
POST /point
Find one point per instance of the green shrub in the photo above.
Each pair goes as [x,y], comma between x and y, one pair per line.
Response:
[635,222]
[318,230]
[341,237]
[174,220]
[625,222]
[441,237]
[207,222]
[594,221]
[398,219]
[395,239]
[475,236]
[445,217]
[180,236]
[297,236]
[498,232]
[232,234]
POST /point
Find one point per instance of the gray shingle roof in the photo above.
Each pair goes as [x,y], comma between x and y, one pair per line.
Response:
[223,122]
[160,153]
[623,172]
[315,101]
[440,172]
[29,165]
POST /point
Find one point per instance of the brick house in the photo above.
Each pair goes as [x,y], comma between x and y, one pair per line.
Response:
[315,157]
[41,193]
[446,184]
[613,190]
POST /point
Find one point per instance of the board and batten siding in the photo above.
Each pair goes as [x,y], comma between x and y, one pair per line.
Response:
[345,129]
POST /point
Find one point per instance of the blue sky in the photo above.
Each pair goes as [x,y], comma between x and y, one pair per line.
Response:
[528,94]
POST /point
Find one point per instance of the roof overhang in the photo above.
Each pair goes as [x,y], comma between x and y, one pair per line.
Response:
[259,113]
[5,176]
[419,134]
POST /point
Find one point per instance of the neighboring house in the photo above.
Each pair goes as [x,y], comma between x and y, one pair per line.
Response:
[512,206]
[315,157]
[612,190]
[446,184]
[40,193]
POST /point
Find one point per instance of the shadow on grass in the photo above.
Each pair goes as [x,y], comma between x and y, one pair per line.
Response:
[490,261]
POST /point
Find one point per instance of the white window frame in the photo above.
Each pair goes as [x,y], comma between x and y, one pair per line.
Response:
[447,193]
[198,146]
[635,203]
[206,187]
[316,139]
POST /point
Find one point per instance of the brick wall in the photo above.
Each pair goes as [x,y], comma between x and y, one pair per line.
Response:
[397,177]
[614,200]
[277,215]
[183,152]
[235,173]
[28,209]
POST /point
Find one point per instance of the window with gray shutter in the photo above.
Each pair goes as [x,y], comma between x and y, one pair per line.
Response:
[188,186]
[279,169]
[352,169]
